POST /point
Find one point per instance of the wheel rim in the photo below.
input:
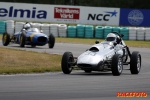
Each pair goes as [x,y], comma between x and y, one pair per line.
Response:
[5,38]
[70,60]
[138,63]
[120,65]
[21,38]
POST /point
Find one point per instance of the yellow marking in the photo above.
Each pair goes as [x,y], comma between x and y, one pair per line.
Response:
[31,36]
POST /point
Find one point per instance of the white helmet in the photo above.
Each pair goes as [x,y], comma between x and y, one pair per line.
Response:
[111,37]
[27,26]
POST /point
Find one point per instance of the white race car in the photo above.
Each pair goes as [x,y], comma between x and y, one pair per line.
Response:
[109,55]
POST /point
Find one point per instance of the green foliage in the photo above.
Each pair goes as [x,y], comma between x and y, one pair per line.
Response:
[143,4]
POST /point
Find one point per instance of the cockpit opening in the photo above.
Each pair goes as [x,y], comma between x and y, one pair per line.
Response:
[94,49]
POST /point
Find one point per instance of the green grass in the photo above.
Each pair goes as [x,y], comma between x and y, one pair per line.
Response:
[14,61]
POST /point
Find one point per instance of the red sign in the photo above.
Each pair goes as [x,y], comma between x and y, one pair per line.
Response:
[66,13]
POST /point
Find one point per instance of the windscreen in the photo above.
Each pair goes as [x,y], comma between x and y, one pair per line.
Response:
[34,30]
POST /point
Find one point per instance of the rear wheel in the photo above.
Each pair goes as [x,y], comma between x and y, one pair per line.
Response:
[5,39]
[51,41]
[67,60]
[117,65]
[135,63]
[22,39]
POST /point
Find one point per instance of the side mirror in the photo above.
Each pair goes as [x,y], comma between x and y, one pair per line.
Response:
[96,42]
[41,31]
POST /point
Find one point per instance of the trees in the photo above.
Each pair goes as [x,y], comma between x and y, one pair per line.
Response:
[143,4]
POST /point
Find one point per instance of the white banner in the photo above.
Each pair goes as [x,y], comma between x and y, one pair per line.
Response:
[59,14]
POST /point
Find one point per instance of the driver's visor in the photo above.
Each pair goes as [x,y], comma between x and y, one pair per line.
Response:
[110,38]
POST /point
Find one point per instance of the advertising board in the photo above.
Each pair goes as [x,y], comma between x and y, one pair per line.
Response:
[59,13]
[134,17]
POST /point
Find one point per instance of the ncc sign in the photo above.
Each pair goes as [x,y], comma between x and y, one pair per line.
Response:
[102,17]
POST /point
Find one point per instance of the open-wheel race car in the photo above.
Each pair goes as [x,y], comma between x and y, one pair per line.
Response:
[109,55]
[29,36]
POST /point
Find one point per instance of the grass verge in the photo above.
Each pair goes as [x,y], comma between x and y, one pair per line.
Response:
[17,61]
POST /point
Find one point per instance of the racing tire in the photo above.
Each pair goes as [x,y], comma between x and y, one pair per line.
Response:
[33,46]
[135,62]
[87,71]
[66,59]
[117,65]
[22,39]
[51,41]
[5,39]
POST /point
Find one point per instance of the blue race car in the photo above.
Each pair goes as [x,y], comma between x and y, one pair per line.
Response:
[31,36]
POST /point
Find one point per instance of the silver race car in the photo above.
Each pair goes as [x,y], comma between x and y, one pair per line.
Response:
[109,55]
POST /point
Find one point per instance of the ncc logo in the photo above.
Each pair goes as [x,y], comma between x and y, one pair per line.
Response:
[102,17]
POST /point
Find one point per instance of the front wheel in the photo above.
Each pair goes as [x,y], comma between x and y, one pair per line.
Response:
[135,63]
[51,41]
[117,65]
[5,39]
[66,62]
[22,39]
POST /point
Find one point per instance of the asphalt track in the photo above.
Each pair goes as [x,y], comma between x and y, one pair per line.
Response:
[78,85]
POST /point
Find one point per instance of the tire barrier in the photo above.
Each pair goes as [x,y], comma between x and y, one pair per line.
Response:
[147,34]
[140,33]
[62,30]
[125,32]
[116,29]
[54,29]
[10,27]
[107,30]
[71,31]
[45,29]
[132,33]
[89,31]
[18,26]
[2,27]
[99,32]
[36,25]
[80,30]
